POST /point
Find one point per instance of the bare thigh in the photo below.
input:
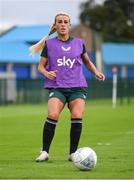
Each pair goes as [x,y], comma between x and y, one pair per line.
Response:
[76,108]
[55,106]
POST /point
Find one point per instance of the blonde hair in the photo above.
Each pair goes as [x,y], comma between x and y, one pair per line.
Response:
[38,47]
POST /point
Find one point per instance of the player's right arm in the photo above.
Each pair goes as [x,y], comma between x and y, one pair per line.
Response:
[42,69]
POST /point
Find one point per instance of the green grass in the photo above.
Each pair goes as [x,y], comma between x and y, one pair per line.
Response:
[110,132]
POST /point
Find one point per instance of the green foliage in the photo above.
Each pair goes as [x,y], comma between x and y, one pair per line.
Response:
[114,19]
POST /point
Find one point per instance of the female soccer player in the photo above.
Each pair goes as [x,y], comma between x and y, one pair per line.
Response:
[61,63]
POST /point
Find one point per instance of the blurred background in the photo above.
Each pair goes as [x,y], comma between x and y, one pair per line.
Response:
[107,27]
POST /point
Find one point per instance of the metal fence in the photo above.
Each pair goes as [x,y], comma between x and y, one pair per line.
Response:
[32,91]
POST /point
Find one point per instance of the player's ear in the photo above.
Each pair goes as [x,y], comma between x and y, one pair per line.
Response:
[54,26]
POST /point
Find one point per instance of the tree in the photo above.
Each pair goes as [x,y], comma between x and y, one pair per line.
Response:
[114,19]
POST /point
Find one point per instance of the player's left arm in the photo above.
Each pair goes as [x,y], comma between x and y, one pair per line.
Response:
[91,67]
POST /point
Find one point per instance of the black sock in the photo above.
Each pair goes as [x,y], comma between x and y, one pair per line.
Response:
[48,133]
[75,132]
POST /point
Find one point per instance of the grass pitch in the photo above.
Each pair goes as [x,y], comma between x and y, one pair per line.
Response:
[110,132]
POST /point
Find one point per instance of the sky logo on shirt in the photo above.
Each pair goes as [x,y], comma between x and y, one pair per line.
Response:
[65,62]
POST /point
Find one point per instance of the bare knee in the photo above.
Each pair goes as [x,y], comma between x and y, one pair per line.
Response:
[76,108]
[53,115]
[76,114]
[55,106]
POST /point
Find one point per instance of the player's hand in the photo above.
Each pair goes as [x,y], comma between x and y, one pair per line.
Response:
[99,75]
[50,74]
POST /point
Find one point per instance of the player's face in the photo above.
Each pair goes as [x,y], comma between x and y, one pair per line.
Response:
[62,24]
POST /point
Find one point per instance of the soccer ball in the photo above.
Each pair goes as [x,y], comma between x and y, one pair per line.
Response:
[84,158]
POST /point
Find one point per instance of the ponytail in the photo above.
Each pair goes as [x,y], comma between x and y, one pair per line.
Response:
[38,47]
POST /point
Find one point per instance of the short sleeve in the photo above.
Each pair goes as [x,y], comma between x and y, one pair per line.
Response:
[44,51]
[84,49]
